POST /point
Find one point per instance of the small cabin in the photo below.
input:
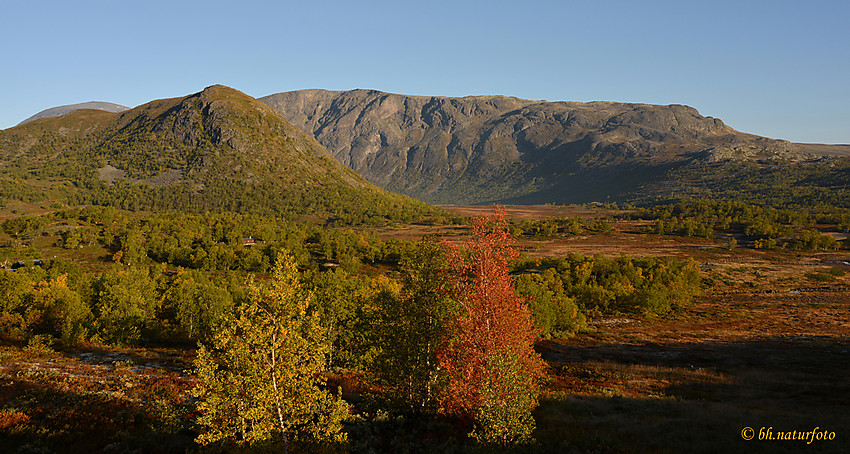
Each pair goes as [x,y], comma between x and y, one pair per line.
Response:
[248,241]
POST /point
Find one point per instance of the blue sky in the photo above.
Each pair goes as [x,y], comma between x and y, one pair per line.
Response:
[774,68]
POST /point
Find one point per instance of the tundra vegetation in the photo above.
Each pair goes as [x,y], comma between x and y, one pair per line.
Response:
[174,332]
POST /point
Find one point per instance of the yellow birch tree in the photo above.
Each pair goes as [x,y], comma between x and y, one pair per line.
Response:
[261,381]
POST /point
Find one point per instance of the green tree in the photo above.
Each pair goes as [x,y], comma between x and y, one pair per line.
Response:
[554,312]
[56,309]
[197,304]
[14,288]
[261,379]
[413,326]
[130,247]
[503,414]
[337,300]
[123,303]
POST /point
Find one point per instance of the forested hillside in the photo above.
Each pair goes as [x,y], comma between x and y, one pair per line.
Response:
[217,150]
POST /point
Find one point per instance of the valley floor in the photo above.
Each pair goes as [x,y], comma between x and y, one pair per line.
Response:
[763,352]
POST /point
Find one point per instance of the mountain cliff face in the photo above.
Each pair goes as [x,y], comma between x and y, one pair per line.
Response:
[215,150]
[481,149]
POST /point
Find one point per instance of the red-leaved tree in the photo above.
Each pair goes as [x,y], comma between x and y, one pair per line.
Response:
[491,371]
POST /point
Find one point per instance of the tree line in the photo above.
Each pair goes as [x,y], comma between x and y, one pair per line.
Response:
[765,227]
[566,226]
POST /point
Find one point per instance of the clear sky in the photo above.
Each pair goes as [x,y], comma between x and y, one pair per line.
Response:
[775,68]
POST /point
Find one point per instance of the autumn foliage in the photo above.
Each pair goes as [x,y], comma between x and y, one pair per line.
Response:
[489,365]
[262,379]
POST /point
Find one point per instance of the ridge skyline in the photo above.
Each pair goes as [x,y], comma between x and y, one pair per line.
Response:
[39,114]
[777,70]
[443,150]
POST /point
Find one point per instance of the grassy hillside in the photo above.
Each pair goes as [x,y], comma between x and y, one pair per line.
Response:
[217,150]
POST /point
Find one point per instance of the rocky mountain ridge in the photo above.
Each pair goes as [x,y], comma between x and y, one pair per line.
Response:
[481,149]
[222,145]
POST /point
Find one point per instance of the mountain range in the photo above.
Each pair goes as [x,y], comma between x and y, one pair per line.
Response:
[222,149]
[483,149]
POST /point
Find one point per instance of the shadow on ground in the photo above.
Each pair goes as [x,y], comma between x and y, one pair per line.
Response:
[697,396]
